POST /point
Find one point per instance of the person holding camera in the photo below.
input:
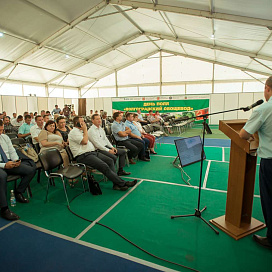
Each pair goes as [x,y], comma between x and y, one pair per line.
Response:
[84,152]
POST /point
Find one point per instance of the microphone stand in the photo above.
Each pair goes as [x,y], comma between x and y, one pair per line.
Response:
[198,212]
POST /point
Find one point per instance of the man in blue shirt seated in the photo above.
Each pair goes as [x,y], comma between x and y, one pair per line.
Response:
[10,164]
[261,121]
[24,130]
[135,135]
[120,133]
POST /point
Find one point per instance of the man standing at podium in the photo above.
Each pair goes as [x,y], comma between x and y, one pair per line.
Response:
[261,121]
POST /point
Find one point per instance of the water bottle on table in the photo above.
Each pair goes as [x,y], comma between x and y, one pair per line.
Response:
[12,199]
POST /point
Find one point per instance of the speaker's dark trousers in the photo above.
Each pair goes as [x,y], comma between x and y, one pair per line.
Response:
[265,180]
[121,153]
[134,147]
[102,163]
[26,170]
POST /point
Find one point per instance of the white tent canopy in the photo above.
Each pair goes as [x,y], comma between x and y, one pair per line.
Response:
[75,43]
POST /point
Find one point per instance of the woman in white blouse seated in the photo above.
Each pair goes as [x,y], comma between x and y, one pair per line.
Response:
[150,137]
[49,137]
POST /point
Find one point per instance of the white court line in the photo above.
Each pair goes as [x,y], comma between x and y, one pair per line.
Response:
[184,185]
[107,211]
[223,154]
[7,225]
[93,246]
[206,175]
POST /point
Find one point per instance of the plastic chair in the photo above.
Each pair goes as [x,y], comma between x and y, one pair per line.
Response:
[17,141]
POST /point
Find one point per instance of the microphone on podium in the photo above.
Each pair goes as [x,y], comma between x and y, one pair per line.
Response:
[259,102]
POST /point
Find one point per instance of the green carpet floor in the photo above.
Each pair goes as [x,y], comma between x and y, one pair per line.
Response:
[144,215]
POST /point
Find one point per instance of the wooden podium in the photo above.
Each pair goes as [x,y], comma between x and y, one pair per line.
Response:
[237,222]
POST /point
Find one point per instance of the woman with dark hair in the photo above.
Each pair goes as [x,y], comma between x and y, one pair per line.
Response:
[49,137]
[63,129]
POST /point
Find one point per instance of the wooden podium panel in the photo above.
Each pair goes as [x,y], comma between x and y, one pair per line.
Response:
[237,222]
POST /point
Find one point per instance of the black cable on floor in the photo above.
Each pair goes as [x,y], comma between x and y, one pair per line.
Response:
[159,258]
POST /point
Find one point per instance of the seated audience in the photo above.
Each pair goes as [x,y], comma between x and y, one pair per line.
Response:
[49,137]
[140,118]
[84,152]
[14,117]
[8,127]
[1,116]
[158,117]
[63,129]
[17,122]
[32,118]
[42,113]
[97,136]
[135,135]
[120,133]
[36,129]
[150,137]
[155,122]
[24,129]
[11,165]
[91,113]
[45,119]
[49,115]
[105,122]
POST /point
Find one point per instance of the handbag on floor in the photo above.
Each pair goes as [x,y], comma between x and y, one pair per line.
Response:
[94,185]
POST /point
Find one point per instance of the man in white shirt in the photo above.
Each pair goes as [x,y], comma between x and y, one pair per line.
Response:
[18,121]
[97,136]
[35,130]
[84,152]
[12,165]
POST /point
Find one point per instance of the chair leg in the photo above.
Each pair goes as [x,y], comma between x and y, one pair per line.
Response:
[39,176]
[48,183]
[28,190]
[65,191]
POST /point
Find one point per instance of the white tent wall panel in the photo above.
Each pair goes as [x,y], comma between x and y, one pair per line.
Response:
[245,99]
[258,96]
[231,102]
[32,104]
[173,89]
[9,104]
[75,102]
[68,101]
[52,101]
[89,105]
[98,104]
[217,104]
[42,104]
[60,102]
[21,104]
[107,101]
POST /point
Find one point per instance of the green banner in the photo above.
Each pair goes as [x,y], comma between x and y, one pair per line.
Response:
[161,105]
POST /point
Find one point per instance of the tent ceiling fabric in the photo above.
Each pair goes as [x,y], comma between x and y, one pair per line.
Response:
[74,43]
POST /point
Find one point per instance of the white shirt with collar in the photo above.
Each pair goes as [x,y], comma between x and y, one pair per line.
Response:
[98,137]
[35,131]
[16,124]
[75,137]
[8,149]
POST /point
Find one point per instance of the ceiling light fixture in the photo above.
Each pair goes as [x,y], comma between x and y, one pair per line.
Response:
[67,56]
[1,34]
[212,37]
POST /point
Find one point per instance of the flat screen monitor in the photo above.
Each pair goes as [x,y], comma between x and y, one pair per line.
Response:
[189,150]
